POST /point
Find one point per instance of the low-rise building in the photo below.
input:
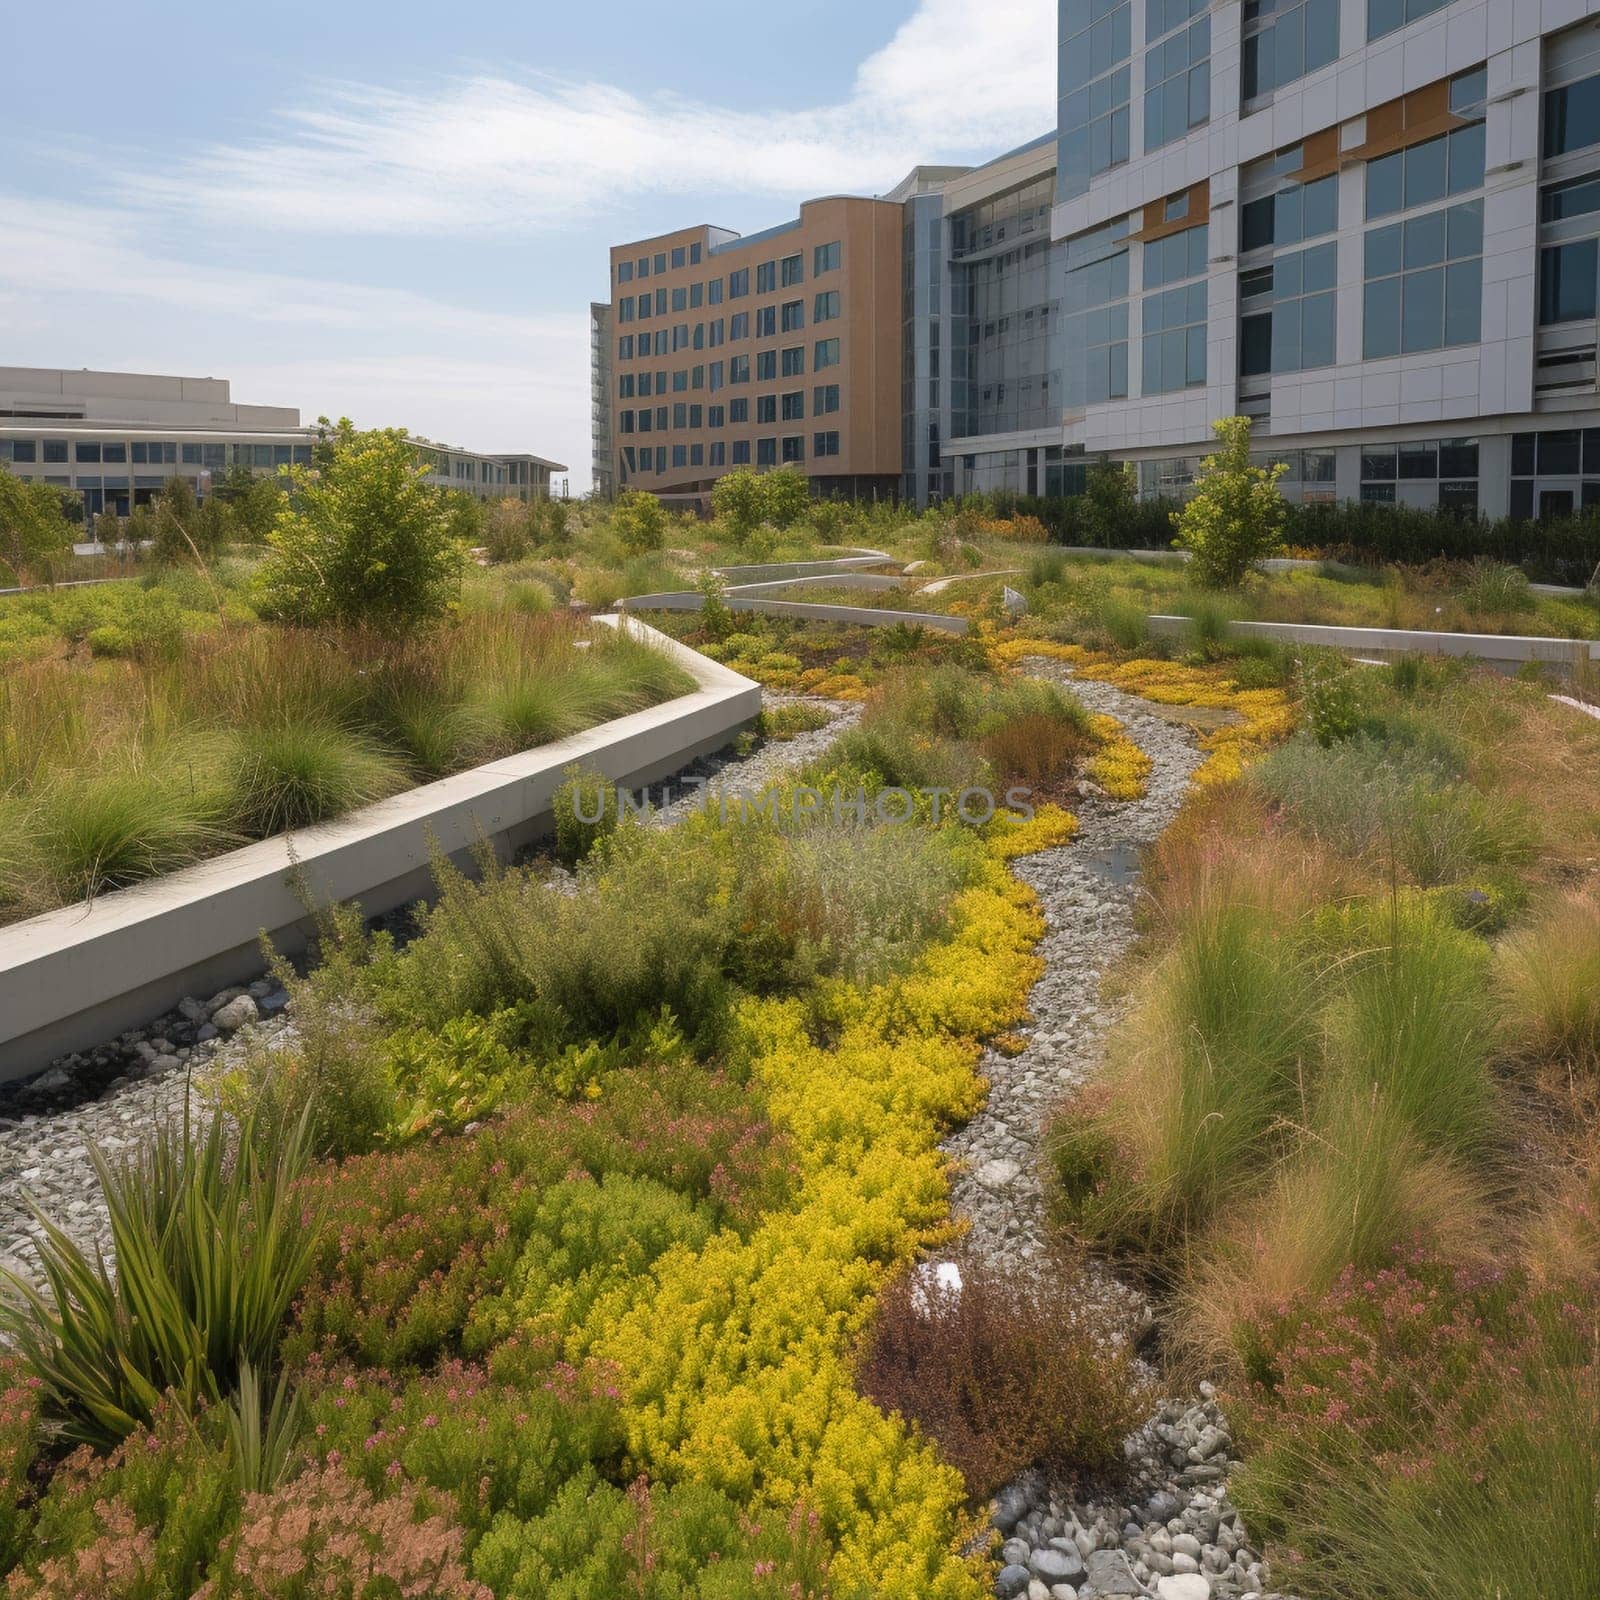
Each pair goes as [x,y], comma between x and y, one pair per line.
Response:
[114,439]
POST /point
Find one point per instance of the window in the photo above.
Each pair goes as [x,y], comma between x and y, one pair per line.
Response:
[766,408]
[19,450]
[680,455]
[766,322]
[154,453]
[1177,76]
[716,416]
[739,325]
[661,341]
[697,455]
[119,452]
[714,292]
[646,305]
[680,337]
[680,381]
[680,299]
[793,271]
[719,376]
[766,452]
[794,448]
[824,444]
[1567,279]
[1425,173]
[739,369]
[1283,41]
[826,354]
[825,308]
[794,361]
[766,277]
[87,450]
[739,283]
[680,415]
[698,342]
[694,255]
[1287,313]
[191,455]
[697,295]
[661,302]
[1424,282]
[825,258]
[1178,256]
[661,419]
[825,399]
[680,258]
[624,272]
[55,450]
[625,387]
[624,422]
[1302,211]
[1578,197]
[1384,16]
[766,366]
[718,332]
[741,452]
[644,266]
[625,310]
[660,262]
[1096,42]
[1174,342]
[1095,305]
[794,407]
[794,316]
[1440,472]
[625,347]
[738,410]
[1572,117]
[719,453]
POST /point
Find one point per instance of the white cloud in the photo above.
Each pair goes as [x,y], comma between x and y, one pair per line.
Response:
[961,79]
[76,289]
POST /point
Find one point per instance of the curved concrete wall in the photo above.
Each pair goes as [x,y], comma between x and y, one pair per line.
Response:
[1500,648]
[860,616]
[75,977]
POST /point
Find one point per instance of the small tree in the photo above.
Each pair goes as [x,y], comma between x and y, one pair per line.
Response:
[253,503]
[1110,496]
[640,522]
[108,530]
[34,531]
[552,522]
[1236,515]
[786,497]
[738,502]
[182,535]
[365,541]
[509,530]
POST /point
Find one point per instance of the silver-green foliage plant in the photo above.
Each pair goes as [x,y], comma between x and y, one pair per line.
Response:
[211,1242]
[1236,515]
[365,541]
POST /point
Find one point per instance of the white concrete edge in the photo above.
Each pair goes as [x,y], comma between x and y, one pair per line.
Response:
[939,585]
[1482,646]
[75,977]
[1577,705]
[872,582]
[864,616]
[858,556]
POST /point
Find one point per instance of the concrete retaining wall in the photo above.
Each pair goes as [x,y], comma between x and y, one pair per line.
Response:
[75,977]
[1507,649]
[861,616]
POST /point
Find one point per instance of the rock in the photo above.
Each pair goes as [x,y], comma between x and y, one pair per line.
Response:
[997,1174]
[51,1081]
[192,1009]
[1010,1507]
[1110,1573]
[222,998]
[271,1004]
[1186,1586]
[1012,1581]
[1056,1566]
[1015,1552]
[206,1032]
[1037,1591]
[1185,1544]
[237,1013]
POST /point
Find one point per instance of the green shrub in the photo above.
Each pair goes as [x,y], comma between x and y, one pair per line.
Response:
[738,503]
[1235,517]
[366,542]
[1494,586]
[639,521]
[789,719]
[210,1252]
[19,1444]
[685,1542]
[292,774]
[1330,697]
[586,811]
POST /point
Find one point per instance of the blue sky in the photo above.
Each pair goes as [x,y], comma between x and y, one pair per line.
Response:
[401,212]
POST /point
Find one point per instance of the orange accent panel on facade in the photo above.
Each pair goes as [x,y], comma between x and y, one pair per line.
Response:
[868,281]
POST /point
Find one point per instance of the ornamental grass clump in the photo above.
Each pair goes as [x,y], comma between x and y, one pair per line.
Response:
[288,775]
[211,1246]
[1004,1373]
[1547,976]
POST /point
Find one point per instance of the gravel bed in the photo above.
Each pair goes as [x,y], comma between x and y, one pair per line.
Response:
[114,1096]
[1169,1531]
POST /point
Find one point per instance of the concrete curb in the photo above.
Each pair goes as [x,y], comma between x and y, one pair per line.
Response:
[861,616]
[1490,647]
[75,977]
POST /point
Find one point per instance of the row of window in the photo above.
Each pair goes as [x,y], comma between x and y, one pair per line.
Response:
[789,450]
[769,365]
[788,272]
[692,416]
[153,452]
[824,308]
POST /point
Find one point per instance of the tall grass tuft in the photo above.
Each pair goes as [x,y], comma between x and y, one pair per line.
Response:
[1548,976]
[292,774]
[211,1246]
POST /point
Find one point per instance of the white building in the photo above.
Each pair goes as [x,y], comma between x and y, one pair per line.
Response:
[1371,225]
[114,438]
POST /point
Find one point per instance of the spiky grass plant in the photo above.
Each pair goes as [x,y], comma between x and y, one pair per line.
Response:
[211,1244]
[292,774]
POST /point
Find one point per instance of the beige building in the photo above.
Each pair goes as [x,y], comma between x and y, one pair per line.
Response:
[778,349]
[115,438]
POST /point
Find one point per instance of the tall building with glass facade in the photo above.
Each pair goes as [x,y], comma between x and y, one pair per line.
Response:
[1373,226]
